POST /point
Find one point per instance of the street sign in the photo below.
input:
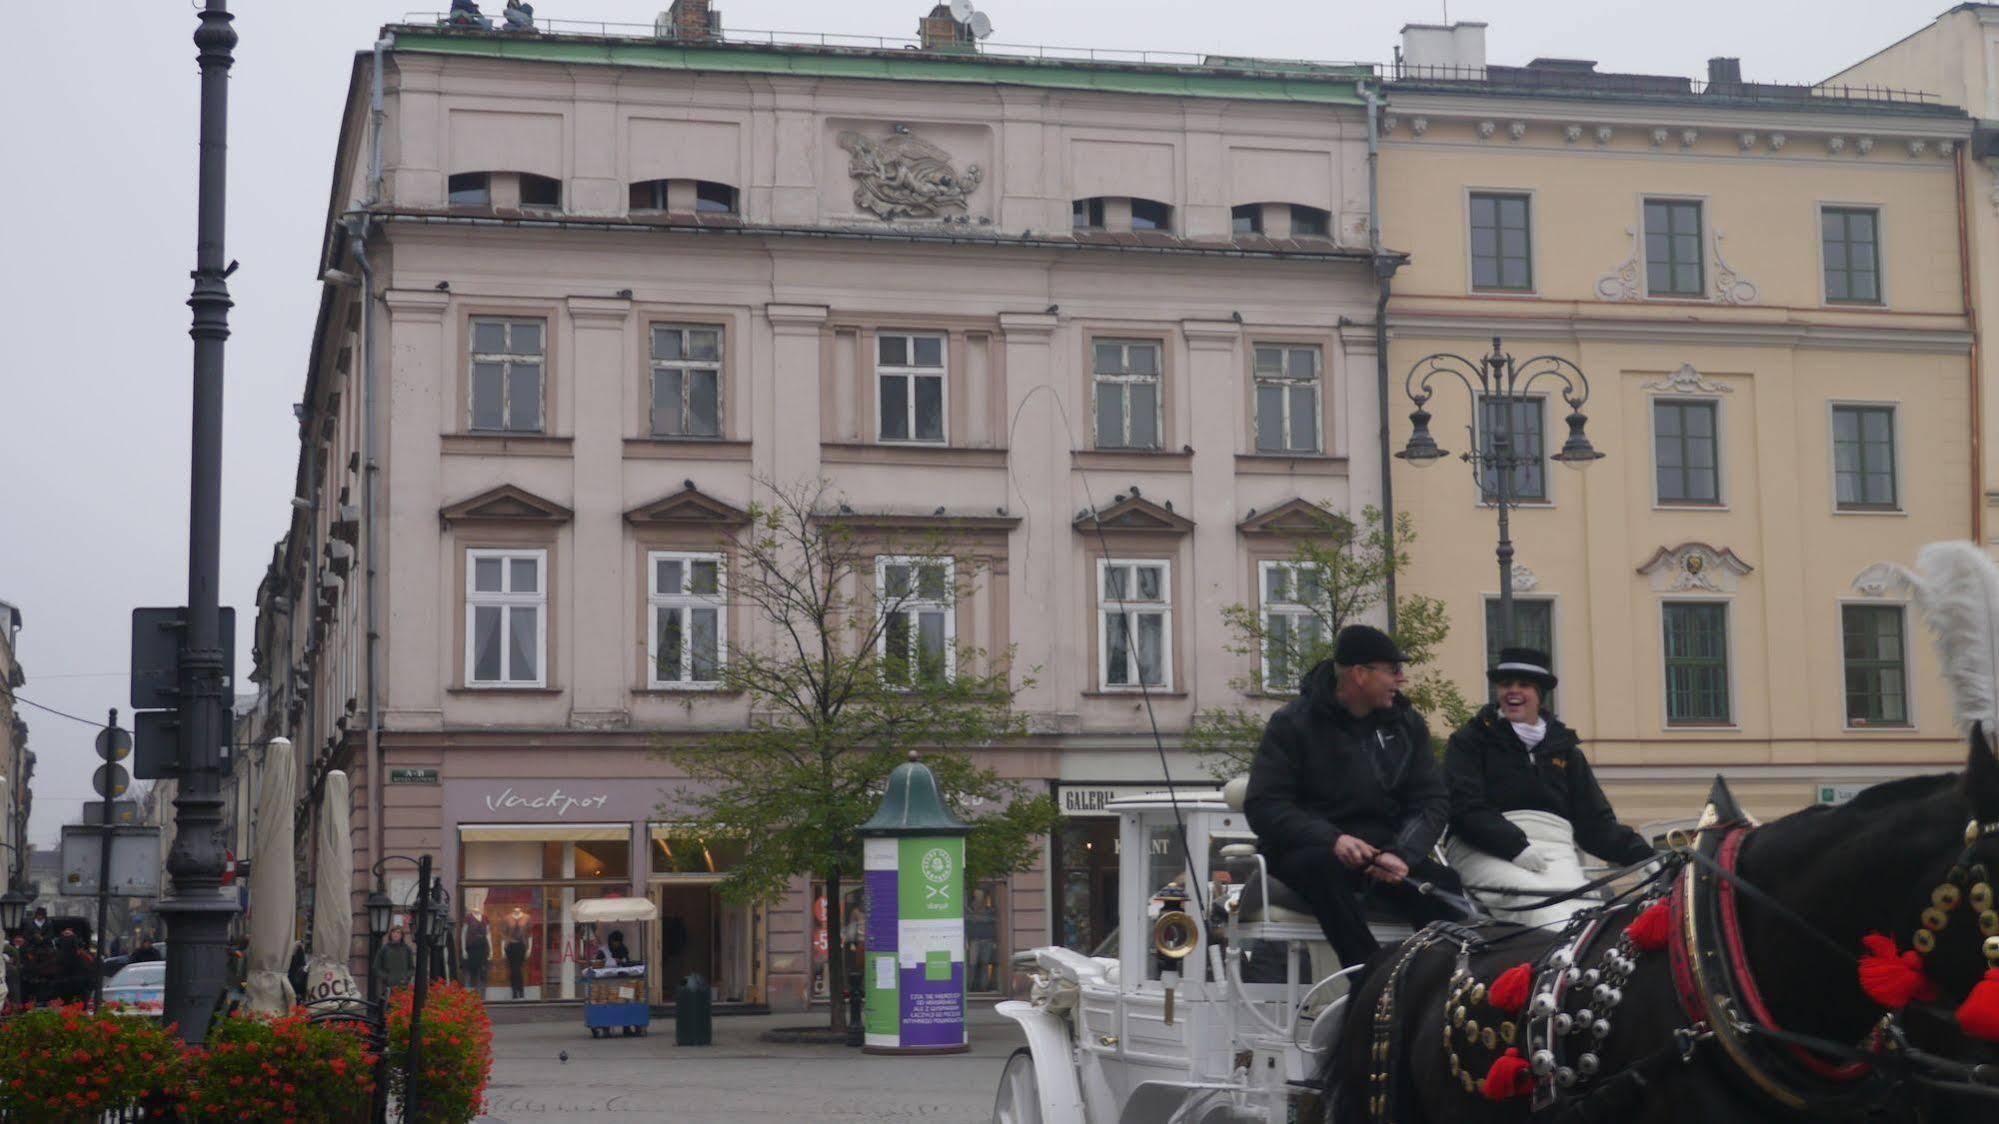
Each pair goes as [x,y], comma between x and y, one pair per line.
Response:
[1838,793]
[157,736]
[412,776]
[135,860]
[113,743]
[122,811]
[156,647]
[111,780]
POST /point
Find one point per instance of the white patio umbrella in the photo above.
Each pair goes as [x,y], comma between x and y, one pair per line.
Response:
[326,972]
[273,886]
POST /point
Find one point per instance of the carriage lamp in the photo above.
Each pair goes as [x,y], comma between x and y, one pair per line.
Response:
[1498,387]
[380,911]
[13,909]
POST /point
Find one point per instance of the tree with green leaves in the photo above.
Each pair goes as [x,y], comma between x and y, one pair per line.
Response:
[1333,577]
[850,665]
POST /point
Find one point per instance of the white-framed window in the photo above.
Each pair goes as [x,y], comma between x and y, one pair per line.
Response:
[686,380]
[1134,624]
[687,638]
[506,618]
[507,362]
[1126,374]
[919,632]
[1293,631]
[1287,398]
[909,386]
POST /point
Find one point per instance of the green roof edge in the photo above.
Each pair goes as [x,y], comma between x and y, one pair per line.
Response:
[1334,86]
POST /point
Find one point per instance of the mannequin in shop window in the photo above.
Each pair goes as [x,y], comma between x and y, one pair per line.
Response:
[519,944]
[476,945]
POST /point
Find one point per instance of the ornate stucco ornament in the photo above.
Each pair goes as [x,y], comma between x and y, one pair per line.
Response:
[1695,566]
[1777,142]
[1572,133]
[1516,129]
[1835,145]
[1865,145]
[1621,283]
[1603,134]
[1524,580]
[1917,147]
[1688,137]
[1879,580]
[1658,137]
[1485,130]
[1730,287]
[1686,380]
[905,176]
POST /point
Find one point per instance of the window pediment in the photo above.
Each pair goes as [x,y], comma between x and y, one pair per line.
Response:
[1695,566]
[1134,514]
[505,504]
[1297,518]
[689,507]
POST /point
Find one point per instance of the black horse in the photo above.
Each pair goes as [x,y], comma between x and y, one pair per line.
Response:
[1827,876]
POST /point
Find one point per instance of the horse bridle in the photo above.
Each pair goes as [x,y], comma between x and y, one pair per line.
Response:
[1889,1048]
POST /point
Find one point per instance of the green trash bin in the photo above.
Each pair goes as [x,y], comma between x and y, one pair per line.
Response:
[693,1013]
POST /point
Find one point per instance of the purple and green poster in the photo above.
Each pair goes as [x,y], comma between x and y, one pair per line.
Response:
[915,985]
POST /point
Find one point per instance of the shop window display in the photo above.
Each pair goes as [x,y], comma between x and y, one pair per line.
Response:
[517,936]
[854,928]
[985,950]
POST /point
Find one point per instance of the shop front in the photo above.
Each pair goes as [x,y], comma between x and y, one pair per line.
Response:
[522,854]
[1084,857]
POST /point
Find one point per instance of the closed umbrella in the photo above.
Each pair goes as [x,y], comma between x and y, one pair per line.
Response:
[326,971]
[273,886]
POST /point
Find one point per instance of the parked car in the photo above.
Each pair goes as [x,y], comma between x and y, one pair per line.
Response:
[137,989]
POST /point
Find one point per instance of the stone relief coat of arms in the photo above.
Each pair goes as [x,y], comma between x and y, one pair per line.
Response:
[904,176]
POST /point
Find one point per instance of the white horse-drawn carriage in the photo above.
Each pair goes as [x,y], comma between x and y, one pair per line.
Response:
[1176,1026]
[1223,1022]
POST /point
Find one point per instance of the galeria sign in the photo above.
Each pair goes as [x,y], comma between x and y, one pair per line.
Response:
[554,800]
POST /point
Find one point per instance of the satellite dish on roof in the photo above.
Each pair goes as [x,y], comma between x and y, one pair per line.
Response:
[961,10]
[981,25]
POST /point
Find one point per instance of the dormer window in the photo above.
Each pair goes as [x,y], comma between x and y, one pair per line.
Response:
[540,192]
[714,198]
[1280,220]
[683,197]
[471,189]
[1150,214]
[1120,213]
[504,190]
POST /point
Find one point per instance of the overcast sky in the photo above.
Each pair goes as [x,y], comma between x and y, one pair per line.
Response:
[99,236]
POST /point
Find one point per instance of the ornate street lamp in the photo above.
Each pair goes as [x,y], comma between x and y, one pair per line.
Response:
[13,910]
[1496,386]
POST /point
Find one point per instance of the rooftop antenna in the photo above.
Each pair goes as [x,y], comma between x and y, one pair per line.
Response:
[961,10]
[981,25]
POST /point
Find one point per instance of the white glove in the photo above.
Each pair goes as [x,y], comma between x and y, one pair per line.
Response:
[1532,860]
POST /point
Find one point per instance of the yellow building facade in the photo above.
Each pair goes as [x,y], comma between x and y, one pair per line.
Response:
[1765,290]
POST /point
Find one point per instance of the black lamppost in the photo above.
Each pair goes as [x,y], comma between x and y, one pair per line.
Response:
[428,928]
[197,911]
[1496,386]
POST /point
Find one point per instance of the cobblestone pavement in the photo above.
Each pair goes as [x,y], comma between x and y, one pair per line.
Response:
[741,1079]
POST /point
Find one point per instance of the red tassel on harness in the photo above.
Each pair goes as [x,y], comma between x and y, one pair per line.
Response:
[1509,991]
[1509,1077]
[1979,1016]
[1650,930]
[1893,978]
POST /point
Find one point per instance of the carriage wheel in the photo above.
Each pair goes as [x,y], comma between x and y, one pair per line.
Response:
[1019,1099]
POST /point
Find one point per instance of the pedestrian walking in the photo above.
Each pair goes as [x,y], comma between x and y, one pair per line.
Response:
[395,961]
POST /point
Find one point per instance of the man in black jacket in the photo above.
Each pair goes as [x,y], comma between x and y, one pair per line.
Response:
[1346,798]
[1513,756]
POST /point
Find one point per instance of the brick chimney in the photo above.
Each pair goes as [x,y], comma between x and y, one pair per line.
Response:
[691,21]
[940,32]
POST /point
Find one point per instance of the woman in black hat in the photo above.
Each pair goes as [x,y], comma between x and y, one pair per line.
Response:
[1523,797]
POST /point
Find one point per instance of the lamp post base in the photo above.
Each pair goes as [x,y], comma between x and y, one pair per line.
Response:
[197,960]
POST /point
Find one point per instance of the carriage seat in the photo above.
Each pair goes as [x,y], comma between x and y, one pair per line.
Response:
[1285,905]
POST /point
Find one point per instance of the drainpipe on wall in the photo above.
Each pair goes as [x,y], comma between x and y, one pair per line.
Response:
[1384,270]
[1977,402]
[377,778]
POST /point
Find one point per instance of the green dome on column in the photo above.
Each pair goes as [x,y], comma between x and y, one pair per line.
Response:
[912,805]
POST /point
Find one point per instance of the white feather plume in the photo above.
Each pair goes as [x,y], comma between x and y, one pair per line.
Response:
[1957,587]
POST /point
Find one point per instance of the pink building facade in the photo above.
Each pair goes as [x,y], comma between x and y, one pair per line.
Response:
[614,283]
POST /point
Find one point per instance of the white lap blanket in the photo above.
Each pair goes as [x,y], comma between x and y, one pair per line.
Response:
[1551,836]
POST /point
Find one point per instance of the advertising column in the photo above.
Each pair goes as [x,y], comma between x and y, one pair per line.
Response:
[913,852]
